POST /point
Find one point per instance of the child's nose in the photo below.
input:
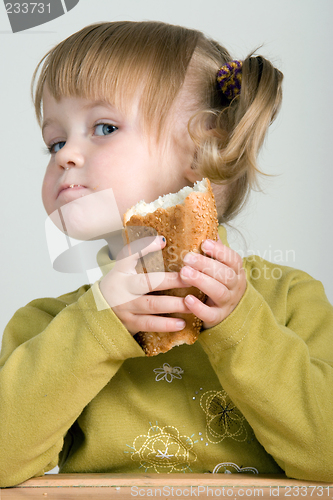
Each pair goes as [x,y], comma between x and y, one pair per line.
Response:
[69,156]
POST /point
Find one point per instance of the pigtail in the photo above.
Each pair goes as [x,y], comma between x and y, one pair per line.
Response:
[235,131]
[259,102]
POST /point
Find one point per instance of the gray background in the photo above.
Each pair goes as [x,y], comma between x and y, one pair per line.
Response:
[292,218]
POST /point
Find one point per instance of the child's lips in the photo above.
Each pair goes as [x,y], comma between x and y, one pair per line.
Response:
[71,191]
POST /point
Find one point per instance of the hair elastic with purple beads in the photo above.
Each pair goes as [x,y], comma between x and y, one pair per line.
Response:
[229,78]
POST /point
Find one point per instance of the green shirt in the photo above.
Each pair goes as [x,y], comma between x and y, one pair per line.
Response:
[254,394]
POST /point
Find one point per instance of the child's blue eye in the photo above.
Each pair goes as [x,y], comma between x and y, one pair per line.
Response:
[54,148]
[105,129]
[101,129]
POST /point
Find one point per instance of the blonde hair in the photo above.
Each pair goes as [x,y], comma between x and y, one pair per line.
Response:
[116,61]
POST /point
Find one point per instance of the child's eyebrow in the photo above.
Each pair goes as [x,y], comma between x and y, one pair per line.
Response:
[46,124]
[90,105]
[95,104]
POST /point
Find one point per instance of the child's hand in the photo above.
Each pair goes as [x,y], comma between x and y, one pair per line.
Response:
[126,293]
[220,275]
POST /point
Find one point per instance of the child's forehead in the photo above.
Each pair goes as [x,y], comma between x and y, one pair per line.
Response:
[89,101]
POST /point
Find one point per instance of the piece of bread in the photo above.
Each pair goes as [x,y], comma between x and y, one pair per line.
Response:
[185,219]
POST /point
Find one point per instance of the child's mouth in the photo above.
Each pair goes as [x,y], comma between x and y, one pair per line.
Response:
[69,188]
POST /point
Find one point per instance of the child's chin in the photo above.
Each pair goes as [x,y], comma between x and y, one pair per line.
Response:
[84,230]
[90,217]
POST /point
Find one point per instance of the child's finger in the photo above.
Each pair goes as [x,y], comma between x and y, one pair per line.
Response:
[150,323]
[158,304]
[143,283]
[209,315]
[128,257]
[211,267]
[218,292]
[224,254]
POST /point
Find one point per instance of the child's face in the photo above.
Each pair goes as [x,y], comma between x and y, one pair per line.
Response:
[95,147]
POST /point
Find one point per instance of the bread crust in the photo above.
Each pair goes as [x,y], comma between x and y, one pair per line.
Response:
[185,226]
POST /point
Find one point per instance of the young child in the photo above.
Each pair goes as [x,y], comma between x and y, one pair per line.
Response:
[145,109]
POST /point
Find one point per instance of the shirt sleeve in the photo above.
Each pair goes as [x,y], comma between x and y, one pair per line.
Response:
[274,356]
[57,354]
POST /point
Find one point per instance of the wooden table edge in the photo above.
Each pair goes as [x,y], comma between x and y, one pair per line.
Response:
[160,480]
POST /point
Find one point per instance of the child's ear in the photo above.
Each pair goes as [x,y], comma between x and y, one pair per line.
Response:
[193,176]
[192,173]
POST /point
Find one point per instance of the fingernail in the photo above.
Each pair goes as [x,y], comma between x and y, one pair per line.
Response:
[186,272]
[189,299]
[208,245]
[190,257]
[180,324]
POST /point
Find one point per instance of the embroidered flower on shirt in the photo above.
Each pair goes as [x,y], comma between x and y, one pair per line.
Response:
[223,418]
[168,372]
[164,450]
[230,465]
